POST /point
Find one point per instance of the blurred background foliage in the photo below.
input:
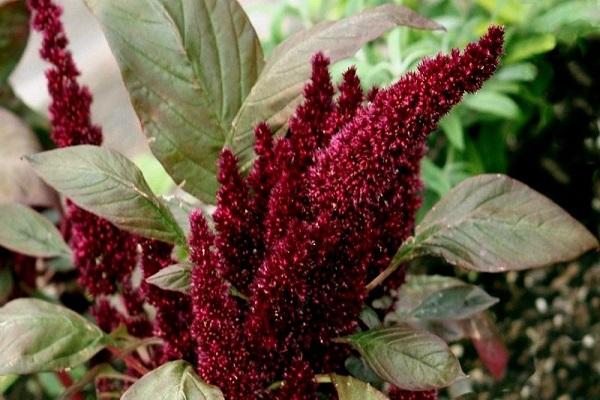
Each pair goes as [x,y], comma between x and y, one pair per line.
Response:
[537,120]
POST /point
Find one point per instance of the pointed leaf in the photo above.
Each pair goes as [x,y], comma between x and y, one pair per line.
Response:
[349,388]
[175,277]
[359,368]
[188,65]
[408,357]
[415,290]
[494,103]
[492,223]
[106,183]
[279,88]
[489,344]
[28,232]
[14,31]
[39,336]
[457,302]
[175,380]
[18,182]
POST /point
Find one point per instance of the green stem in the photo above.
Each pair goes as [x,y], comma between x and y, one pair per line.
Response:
[404,254]
[320,378]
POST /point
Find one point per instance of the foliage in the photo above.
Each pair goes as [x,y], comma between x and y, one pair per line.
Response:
[293,277]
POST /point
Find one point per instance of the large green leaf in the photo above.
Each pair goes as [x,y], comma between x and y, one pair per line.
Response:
[175,380]
[14,31]
[18,183]
[39,336]
[349,388]
[492,223]
[408,357]
[279,88]
[188,65]
[175,277]
[27,232]
[106,183]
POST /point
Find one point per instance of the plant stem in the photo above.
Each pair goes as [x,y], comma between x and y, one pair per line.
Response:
[320,378]
[404,254]
[66,380]
[129,360]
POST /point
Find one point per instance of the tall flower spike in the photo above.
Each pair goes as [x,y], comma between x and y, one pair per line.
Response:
[308,123]
[222,357]
[349,100]
[341,219]
[238,241]
[70,107]
[103,254]
[262,176]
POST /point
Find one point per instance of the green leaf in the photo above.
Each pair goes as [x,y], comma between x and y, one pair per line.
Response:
[492,223]
[6,381]
[453,129]
[158,179]
[181,210]
[39,336]
[434,177]
[175,380]
[408,357]
[458,302]
[361,370]
[18,182]
[493,103]
[279,88]
[517,72]
[415,290]
[6,284]
[14,31]
[106,183]
[175,277]
[188,65]
[349,388]
[27,232]
[370,318]
[530,46]
[512,11]
[562,14]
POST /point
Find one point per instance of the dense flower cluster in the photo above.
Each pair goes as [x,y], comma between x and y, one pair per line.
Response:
[104,255]
[321,213]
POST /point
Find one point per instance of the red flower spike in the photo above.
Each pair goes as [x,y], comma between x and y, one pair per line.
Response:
[222,357]
[349,101]
[298,383]
[337,210]
[262,176]
[238,241]
[173,310]
[104,255]
[70,107]
[308,122]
